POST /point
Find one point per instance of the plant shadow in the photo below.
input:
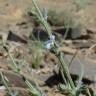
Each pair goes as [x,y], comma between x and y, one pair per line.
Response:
[57,79]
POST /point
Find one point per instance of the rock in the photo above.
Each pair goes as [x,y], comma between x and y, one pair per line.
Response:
[77,33]
[82,43]
[88,66]
[15,80]
[21,92]
[14,37]
[2,93]
[91,30]
[59,32]
[39,34]
[73,33]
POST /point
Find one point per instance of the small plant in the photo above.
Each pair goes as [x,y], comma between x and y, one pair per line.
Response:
[32,88]
[72,88]
[40,17]
[37,51]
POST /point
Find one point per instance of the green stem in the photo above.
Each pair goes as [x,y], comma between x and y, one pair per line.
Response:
[63,76]
[65,69]
[14,63]
[8,89]
[33,89]
[37,9]
[41,18]
[15,67]
[63,65]
[88,92]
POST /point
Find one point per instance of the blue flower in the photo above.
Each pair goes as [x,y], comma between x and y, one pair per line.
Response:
[50,42]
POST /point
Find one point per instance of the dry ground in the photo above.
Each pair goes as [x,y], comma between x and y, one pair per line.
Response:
[14,12]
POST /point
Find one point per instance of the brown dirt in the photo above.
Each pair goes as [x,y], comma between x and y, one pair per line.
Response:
[14,12]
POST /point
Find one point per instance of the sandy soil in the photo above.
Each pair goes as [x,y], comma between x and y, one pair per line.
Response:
[13,14]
